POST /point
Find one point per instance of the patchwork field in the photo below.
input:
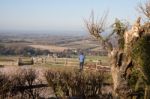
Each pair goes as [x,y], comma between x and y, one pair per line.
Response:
[49,47]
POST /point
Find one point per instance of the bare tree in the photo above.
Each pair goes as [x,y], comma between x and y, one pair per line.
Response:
[97,27]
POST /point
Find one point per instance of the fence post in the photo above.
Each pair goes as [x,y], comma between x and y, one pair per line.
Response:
[55,60]
[66,61]
[45,59]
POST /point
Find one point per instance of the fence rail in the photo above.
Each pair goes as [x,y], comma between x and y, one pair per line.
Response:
[93,65]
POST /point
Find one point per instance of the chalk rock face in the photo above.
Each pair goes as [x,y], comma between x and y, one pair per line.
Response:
[131,35]
[119,65]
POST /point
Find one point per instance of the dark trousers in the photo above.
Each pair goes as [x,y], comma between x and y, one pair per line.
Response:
[81,65]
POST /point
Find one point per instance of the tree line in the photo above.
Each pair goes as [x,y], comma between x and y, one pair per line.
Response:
[25,51]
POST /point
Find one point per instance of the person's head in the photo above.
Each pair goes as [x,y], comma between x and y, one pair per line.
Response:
[81,53]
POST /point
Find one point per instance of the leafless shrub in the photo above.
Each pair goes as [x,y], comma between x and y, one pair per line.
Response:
[20,85]
[5,85]
[75,83]
[30,76]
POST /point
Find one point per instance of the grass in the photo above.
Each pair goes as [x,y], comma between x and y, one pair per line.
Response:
[8,58]
[60,62]
[11,58]
[102,58]
[94,58]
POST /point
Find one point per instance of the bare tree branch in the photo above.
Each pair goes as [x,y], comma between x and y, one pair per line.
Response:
[95,28]
[145,9]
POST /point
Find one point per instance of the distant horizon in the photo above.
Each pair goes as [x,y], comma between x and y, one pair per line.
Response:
[61,15]
[52,32]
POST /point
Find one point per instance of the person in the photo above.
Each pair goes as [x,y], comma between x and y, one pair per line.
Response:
[81,59]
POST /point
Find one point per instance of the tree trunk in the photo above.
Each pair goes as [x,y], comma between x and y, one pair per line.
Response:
[121,61]
[119,65]
[147,92]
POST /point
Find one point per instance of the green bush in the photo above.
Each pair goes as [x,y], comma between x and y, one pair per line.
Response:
[141,56]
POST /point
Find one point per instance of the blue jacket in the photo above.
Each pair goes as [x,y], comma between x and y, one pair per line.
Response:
[81,58]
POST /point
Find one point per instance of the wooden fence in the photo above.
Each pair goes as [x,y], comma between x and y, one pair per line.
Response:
[93,65]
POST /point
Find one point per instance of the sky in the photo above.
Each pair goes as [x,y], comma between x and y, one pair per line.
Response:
[61,15]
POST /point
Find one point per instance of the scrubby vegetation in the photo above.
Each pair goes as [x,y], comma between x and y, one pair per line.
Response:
[19,85]
[141,56]
[76,84]
[64,84]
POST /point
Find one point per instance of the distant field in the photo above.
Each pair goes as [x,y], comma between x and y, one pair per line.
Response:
[53,43]
[49,47]
[102,58]
[62,47]
[81,44]
[50,42]
[8,58]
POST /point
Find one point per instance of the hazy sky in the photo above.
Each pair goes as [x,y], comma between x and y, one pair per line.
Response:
[60,15]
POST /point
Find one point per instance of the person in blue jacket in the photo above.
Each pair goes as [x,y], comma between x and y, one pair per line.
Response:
[81,59]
